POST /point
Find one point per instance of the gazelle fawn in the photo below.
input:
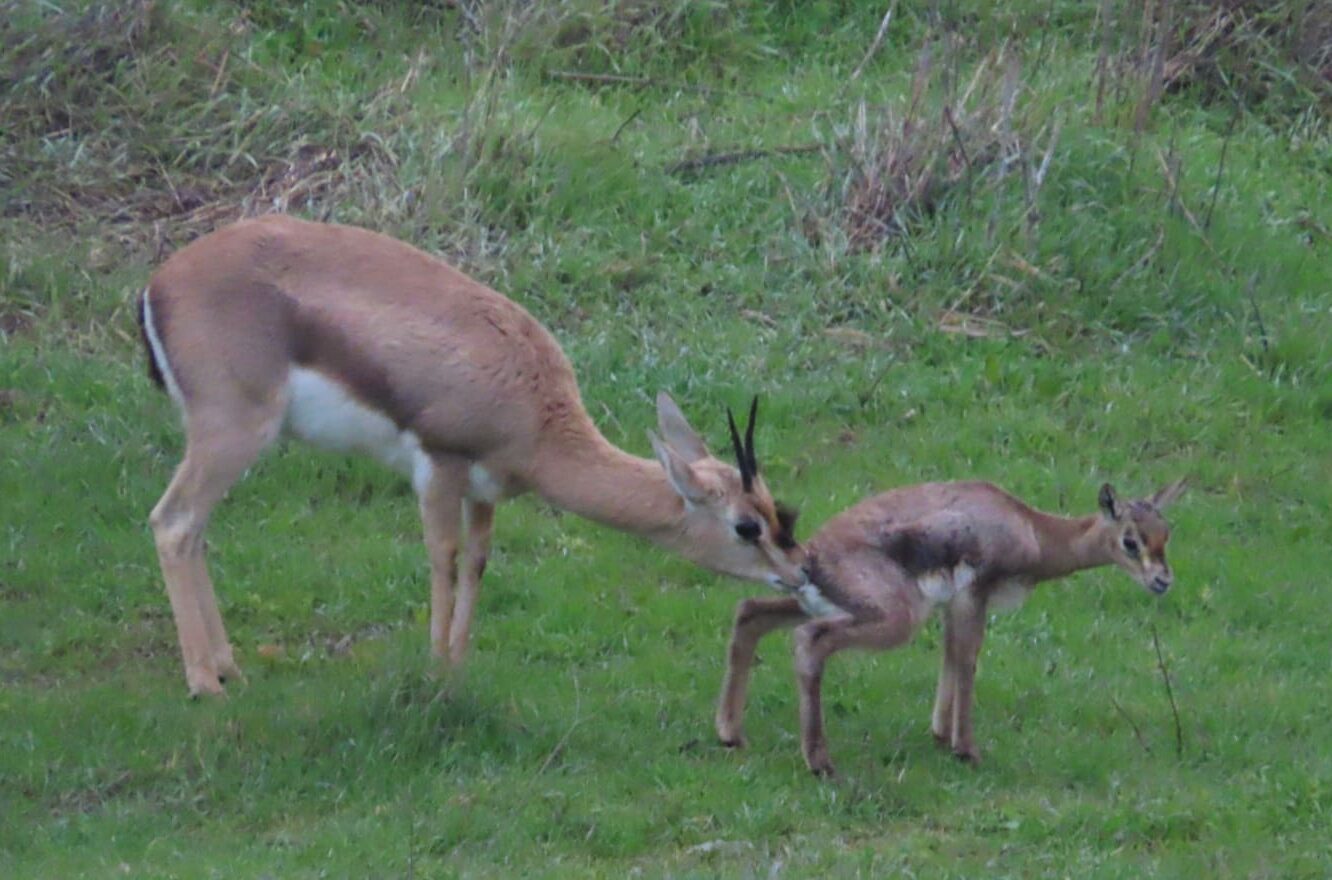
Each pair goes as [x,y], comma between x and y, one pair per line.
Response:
[880,568]
[357,342]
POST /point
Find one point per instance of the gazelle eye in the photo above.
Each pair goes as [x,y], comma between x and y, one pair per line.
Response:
[748,530]
[1131,546]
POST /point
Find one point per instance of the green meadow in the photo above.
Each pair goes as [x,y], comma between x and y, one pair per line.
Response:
[1110,259]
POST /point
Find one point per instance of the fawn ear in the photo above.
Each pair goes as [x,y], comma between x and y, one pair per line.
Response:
[1109,502]
[681,476]
[1167,495]
[676,430]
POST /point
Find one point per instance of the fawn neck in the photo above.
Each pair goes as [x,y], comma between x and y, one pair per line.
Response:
[1069,544]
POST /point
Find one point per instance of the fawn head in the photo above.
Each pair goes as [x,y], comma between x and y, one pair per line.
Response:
[1138,534]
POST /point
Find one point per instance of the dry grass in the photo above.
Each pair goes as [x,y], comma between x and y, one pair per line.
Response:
[1249,50]
[119,115]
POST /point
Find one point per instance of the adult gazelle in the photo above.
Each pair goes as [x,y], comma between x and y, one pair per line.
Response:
[354,341]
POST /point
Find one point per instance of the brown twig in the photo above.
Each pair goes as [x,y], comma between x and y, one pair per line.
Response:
[1221,167]
[1170,694]
[564,740]
[623,125]
[1137,731]
[713,160]
[874,46]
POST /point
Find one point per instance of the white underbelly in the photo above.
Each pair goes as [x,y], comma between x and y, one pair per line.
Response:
[322,412]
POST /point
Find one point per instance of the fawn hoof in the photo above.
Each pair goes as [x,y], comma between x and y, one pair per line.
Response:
[823,769]
[967,756]
[733,742]
[942,740]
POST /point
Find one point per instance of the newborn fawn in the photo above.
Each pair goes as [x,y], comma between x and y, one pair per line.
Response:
[878,569]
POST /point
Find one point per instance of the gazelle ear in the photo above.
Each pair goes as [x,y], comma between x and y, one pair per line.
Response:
[678,472]
[677,431]
[1109,502]
[1168,494]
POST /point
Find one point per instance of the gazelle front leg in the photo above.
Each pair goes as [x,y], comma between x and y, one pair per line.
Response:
[966,631]
[480,519]
[441,518]
[754,618]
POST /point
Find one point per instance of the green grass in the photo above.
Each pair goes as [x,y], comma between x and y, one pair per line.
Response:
[1128,339]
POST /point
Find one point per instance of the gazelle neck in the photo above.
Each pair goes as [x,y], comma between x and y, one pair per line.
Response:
[1069,544]
[580,471]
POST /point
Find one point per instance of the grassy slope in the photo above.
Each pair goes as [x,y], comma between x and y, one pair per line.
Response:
[580,739]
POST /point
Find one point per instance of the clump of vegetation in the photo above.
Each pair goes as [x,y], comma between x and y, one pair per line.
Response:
[904,160]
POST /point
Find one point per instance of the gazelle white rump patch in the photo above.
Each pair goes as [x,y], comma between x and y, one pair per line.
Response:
[159,351]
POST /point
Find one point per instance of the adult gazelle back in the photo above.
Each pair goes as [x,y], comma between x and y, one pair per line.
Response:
[357,342]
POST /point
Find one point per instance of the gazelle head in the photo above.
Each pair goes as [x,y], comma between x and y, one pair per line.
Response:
[1138,534]
[731,523]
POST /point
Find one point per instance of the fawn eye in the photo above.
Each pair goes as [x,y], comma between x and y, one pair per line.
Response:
[1131,546]
[748,530]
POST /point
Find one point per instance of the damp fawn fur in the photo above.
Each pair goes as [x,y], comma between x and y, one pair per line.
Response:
[878,571]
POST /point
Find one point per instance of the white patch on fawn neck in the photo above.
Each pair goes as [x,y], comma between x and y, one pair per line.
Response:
[815,604]
[939,587]
[482,485]
[323,413]
[159,351]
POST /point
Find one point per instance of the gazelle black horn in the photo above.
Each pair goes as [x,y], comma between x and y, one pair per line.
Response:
[749,436]
[746,476]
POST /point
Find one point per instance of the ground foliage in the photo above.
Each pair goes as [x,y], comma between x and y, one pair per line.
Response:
[1046,243]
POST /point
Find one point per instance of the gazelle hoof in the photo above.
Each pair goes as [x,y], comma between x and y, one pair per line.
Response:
[205,686]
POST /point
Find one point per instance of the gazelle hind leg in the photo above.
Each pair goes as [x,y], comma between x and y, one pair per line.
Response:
[480,520]
[754,618]
[217,453]
[818,640]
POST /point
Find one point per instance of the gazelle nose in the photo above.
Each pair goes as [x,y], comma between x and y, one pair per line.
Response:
[1160,584]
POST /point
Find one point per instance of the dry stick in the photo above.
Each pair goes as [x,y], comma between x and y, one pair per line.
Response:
[641,82]
[1170,694]
[1102,58]
[957,137]
[1257,315]
[713,160]
[1137,731]
[1220,167]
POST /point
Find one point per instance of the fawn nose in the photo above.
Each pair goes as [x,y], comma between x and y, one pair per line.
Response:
[1160,583]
